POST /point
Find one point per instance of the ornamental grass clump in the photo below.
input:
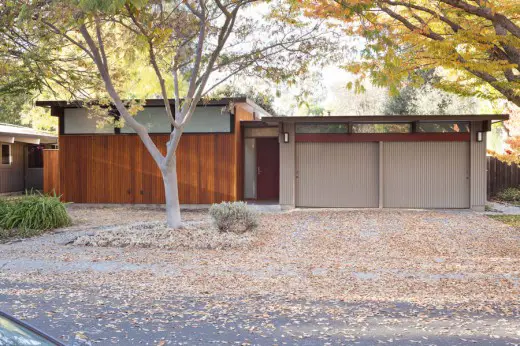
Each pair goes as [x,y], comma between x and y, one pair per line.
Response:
[30,215]
[233,217]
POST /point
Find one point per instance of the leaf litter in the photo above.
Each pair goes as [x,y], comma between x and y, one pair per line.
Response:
[322,276]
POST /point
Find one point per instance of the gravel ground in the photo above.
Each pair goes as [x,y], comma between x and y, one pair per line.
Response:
[309,277]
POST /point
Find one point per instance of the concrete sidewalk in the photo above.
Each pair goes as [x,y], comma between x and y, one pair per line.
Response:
[496,208]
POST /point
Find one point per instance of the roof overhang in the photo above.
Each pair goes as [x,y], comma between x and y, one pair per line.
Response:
[14,133]
[225,101]
[6,137]
[384,118]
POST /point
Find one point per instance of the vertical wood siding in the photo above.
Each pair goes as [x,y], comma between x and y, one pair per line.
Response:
[287,167]
[119,169]
[51,172]
[337,175]
[426,175]
[12,177]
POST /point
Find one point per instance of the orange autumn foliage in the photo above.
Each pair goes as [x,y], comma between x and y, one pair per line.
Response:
[475,44]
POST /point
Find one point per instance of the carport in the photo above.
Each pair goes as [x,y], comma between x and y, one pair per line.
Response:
[383,161]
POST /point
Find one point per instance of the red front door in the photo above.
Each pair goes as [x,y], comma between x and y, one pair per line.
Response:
[267,168]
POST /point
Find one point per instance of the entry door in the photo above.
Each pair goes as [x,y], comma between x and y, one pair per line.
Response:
[337,175]
[34,167]
[267,168]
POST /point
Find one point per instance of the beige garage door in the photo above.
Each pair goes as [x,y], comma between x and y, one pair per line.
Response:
[337,175]
[426,175]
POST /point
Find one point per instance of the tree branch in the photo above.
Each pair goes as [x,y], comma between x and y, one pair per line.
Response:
[487,13]
[139,128]
[155,66]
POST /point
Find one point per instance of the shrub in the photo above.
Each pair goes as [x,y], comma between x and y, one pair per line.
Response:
[4,207]
[32,214]
[233,217]
[511,194]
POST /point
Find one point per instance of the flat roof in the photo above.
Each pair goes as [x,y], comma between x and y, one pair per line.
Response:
[224,101]
[386,118]
[15,133]
[24,131]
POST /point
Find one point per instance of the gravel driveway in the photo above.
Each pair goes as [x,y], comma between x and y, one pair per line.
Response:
[310,277]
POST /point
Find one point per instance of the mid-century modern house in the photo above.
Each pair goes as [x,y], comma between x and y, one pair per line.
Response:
[233,150]
[21,167]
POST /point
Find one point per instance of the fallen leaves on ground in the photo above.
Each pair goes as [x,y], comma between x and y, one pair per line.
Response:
[435,260]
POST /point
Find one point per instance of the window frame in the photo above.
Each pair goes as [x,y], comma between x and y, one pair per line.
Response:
[10,156]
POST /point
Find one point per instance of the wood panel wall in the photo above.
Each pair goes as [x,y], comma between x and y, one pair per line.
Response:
[119,169]
[51,172]
[12,176]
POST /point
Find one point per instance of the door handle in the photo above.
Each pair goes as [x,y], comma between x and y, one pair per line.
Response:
[258,171]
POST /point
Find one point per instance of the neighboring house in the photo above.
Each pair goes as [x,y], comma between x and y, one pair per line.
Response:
[22,163]
[341,161]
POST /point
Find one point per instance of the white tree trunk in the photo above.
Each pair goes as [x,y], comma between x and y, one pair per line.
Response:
[171,191]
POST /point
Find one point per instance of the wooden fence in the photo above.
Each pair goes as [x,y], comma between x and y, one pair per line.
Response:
[500,175]
[51,171]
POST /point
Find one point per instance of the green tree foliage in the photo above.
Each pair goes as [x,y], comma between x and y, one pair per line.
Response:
[421,96]
[264,98]
[10,106]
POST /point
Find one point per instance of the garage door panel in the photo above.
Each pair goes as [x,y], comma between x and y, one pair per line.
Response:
[337,175]
[426,175]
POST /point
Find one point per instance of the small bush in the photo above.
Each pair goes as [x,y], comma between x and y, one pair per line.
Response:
[233,217]
[4,207]
[511,194]
[31,214]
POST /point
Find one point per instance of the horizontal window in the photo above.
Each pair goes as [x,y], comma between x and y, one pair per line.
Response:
[321,128]
[448,126]
[78,121]
[6,154]
[381,128]
[155,119]
[207,119]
